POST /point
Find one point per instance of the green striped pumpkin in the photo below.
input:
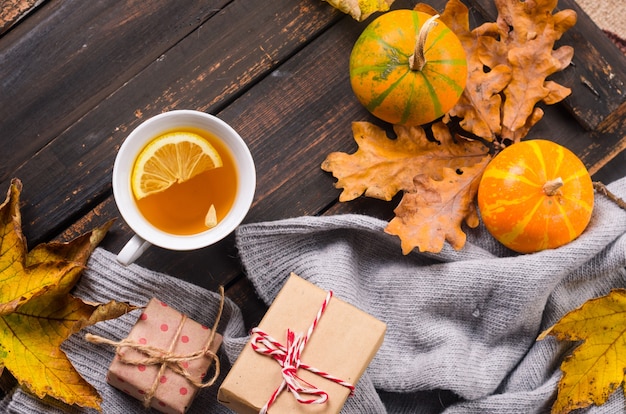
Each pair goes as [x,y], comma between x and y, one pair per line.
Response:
[384,81]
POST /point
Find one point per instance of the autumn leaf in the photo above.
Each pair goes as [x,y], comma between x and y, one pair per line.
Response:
[37,311]
[479,107]
[434,210]
[509,62]
[439,179]
[532,59]
[360,10]
[595,369]
[381,166]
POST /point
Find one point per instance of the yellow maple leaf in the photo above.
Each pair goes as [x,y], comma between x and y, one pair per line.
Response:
[37,311]
[360,10]
[595,369]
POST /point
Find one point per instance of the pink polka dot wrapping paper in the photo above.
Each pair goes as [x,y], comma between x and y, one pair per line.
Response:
[158,326]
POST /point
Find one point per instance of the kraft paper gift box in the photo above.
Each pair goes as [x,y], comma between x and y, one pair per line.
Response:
[164,329]
[342,344]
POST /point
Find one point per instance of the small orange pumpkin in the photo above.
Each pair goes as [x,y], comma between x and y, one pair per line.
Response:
[535,195]
[408,68]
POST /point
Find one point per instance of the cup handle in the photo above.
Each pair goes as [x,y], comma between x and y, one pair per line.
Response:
[132,250]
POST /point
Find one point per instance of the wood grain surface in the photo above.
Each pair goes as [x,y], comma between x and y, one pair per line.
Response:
[78,76]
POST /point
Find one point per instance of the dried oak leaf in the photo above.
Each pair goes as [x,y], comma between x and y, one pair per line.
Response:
[529,31]
[508,63]
[381,167]
[479,107]
[360,10]
[595,369]
[37,311]
[433,212]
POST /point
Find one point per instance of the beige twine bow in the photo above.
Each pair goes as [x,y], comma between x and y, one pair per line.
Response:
[167,358]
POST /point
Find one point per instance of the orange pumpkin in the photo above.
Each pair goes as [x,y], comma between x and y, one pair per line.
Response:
[408,68]
[535,195]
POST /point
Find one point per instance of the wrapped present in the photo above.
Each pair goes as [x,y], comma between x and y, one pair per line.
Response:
[164,359]
[305,356]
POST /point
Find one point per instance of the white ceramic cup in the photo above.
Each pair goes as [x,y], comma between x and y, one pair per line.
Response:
[145,233]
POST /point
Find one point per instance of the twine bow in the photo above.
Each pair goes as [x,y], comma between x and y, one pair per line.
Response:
[167,358]
[288,357]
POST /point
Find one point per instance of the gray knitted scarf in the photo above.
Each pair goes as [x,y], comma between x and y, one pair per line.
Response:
[462,325]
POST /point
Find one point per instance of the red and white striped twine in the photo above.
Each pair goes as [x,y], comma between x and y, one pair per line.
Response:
[288,357]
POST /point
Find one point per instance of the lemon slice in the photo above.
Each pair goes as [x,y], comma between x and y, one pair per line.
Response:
[171,158]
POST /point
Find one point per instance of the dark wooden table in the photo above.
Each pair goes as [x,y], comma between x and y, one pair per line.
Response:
[77,76]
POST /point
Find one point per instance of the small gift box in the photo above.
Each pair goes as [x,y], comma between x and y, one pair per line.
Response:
[305,356]
[164,359]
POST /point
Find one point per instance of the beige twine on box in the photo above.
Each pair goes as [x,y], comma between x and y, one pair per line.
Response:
[168,359]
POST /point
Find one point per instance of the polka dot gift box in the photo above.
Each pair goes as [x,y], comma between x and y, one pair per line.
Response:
[166,357]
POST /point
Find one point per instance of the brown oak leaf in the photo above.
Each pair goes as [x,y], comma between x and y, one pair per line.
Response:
[508,63]
[480,104]
[532,59]
[434,211]
[439,180]
[381,167]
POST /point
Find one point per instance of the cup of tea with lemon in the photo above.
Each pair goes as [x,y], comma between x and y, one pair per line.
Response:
[182,180]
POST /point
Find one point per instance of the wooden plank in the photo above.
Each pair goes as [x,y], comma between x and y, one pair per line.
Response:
[289,138]
[599,76]
[289,188]
[612,170]
[76,166]
[62,61]
[312,123]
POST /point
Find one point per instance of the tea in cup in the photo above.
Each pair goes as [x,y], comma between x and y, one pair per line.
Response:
[182,180]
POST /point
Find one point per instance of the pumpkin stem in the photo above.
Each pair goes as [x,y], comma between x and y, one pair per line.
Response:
[417,59]
[551,187]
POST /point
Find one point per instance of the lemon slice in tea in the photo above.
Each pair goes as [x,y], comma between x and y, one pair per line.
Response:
[171,158]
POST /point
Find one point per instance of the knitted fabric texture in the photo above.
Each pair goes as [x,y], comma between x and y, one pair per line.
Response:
[106,279]
[462,325]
